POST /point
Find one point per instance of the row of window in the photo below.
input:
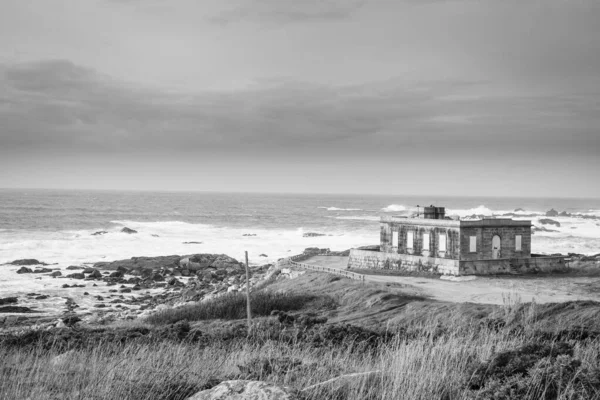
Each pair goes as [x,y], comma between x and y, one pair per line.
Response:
[410,240]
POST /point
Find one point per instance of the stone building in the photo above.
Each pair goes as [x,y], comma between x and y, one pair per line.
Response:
[437,244]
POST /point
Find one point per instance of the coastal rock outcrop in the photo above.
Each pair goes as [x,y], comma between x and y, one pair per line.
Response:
[27,261]
[548,221]
[552,213]
[246,390]
[24,270]
[128,230]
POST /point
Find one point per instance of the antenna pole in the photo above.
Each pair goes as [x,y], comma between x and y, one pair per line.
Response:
[248,311]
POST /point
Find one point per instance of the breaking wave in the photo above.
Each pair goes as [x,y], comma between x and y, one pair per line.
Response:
[394,208]
[340,209]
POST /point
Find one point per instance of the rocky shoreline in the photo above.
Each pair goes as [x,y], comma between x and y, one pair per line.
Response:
[126,289]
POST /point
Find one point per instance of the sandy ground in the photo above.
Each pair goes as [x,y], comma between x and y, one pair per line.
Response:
[488,290]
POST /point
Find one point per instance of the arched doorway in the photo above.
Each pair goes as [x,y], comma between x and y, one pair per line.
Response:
[496,247]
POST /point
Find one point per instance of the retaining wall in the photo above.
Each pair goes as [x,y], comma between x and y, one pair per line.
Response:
[363,259]
[513,266]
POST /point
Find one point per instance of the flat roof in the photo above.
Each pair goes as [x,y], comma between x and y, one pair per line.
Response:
[455,223]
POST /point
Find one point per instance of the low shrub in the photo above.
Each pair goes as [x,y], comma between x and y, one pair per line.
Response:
[233,306]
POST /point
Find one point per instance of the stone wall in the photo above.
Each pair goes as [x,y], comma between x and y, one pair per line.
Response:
[484,241]
[363,259]
[513,266]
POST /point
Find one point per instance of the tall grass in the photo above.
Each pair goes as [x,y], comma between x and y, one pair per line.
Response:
[408,367]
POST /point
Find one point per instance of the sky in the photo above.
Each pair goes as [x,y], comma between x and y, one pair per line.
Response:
[436,97]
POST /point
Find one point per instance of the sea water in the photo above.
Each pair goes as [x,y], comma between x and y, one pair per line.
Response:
[57,226]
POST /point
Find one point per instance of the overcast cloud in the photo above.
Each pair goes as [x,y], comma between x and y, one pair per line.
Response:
[509,89]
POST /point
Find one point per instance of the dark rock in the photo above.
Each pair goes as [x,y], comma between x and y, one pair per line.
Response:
[564,214]
[136,287]
[88,270]
[191,242]
[42,297]
[56,273]
[548,221]
[128,230]
[552,213]
[99,233]
[100,305]
[86,294]
[125,290]
[8,300]
[249,234]
[116,274]
[312,234]
[24,270]
[519,210]
[95,274]
[263,255]
[154,235]
[65,286]
[27,261]
[15,309]
[158,278]
[71,320]
[42,271]
[78,275]
[73,267]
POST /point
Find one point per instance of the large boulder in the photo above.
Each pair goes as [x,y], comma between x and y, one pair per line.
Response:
[8,300]
[246,390]
[24,270]
[552,213]
[77,275]
[95,274]
[128,230]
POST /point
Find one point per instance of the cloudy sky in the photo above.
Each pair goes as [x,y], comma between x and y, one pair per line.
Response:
[458,97]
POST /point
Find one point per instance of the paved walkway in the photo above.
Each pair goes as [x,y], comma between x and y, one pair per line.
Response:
[488,290]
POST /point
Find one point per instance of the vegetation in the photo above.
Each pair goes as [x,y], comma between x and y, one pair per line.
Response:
[516,351]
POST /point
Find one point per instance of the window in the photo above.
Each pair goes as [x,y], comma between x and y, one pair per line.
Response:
[410,238]
[473,244]
[518,243]
[442,242]
[395,239]
[426,241]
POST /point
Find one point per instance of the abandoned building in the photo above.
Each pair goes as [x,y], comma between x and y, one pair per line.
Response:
[432,242]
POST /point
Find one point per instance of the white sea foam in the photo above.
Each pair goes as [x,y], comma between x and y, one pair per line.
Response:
[340,209]
[359,217]
[394,208]
[163,238]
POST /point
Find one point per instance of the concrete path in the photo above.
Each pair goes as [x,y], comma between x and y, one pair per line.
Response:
[488,290]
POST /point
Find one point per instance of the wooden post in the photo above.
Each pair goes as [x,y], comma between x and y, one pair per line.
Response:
[248,311]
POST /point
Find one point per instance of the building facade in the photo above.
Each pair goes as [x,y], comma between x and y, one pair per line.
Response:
[436,244]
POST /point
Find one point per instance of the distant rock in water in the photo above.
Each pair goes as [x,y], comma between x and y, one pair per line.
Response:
[24,270]
[519,210]
[263,255]
[564,214]
[192,242]
[547,221]
[312,234]
[249,234]
[27,261]
[552,213]
[128,230]
[42,271]
[73,267]
[99,233]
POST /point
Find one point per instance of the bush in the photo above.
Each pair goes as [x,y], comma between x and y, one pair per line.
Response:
[233,306]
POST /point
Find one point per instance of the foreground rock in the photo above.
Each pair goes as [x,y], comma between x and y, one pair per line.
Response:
[246,390]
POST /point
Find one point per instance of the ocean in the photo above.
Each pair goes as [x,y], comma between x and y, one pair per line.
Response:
[56,226]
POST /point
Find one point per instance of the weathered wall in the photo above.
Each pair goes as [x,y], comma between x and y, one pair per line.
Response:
[513,266]
[362,259]
[433,227]
[484,241]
